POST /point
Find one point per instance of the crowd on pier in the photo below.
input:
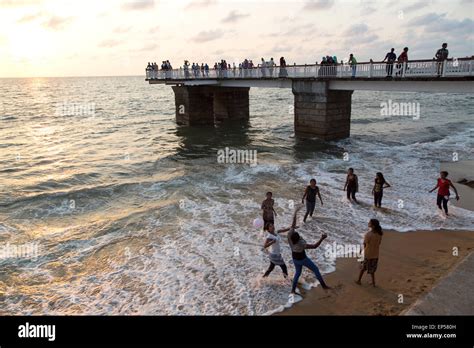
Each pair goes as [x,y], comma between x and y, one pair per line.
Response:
[268,68]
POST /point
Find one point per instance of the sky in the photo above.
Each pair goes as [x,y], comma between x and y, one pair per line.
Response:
[46,38]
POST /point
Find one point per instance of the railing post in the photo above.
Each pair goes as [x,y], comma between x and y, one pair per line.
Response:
[443,68]
[470,67]
[370,69]
[404,68]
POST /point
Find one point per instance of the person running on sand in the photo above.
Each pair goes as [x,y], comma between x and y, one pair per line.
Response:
[377,190]
[298,246]
[372,240]
[443,186]
[273,241]
[310,194]
[268,211]
[352,185]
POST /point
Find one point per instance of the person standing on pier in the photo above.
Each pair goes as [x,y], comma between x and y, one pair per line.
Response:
[283,72]
[353,63]
[271,65]
[263,66]
[443,186]
[372,240]
[402,61]
[310,194]
[390,57]
[377,190]
[352,185]
[441,56]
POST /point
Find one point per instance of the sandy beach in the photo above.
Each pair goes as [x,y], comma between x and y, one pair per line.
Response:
[410,264]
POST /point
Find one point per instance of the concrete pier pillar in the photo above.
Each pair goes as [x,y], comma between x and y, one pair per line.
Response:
[194,105]
[206,105]
[320,112]
[231,103]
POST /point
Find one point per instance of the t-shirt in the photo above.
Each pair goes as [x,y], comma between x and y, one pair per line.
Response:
[275,247]
[443,187]
[442,54]
[391,57]
[311,193]
[372,242]
[403,57]
[298,249]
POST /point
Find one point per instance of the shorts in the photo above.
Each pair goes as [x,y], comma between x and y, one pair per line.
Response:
[369,265]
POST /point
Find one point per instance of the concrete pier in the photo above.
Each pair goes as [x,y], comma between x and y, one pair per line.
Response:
[321,112]
[207,105]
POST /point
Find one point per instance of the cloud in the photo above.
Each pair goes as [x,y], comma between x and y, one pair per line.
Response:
[17,3]
[133,5]
[154,29]
[198,4]
[415,6]
[316,5]
[305,30]
[439,23]
[109,43]
[234,16]
[356,30]
[149,47]
[208,35]
[122,30]
[57,23]
[29,18]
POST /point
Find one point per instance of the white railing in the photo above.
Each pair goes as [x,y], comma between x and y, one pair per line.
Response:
[418,68]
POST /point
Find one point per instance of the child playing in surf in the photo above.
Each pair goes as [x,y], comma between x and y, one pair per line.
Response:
[352,185]
[273,241]
[377,190]
[268,211]
[443,186]
[298,246]
[372,240]
[310,194]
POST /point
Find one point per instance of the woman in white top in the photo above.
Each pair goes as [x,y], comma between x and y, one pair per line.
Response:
[273,241]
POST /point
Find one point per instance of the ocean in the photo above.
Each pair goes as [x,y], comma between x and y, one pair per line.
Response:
[132,214]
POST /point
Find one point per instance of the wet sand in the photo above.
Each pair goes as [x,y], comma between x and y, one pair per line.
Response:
[410,264]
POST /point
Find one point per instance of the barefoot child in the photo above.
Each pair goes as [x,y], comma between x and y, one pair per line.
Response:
[298,246]
[273,241]
[443,186]
[377,190]
[268,211]
[352,185]
[310,194]
[372,240]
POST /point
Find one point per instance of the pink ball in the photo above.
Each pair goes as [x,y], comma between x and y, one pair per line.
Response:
[258,223]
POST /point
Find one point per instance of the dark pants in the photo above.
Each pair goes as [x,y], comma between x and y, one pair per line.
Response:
[378,198]
[389,69]
[309,209]
[351,192]
[272,266]
[441,199]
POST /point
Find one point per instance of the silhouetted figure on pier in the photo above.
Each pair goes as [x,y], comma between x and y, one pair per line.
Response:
[402,60]
[283,72]
[353,64]
[440,56]
[390,57]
